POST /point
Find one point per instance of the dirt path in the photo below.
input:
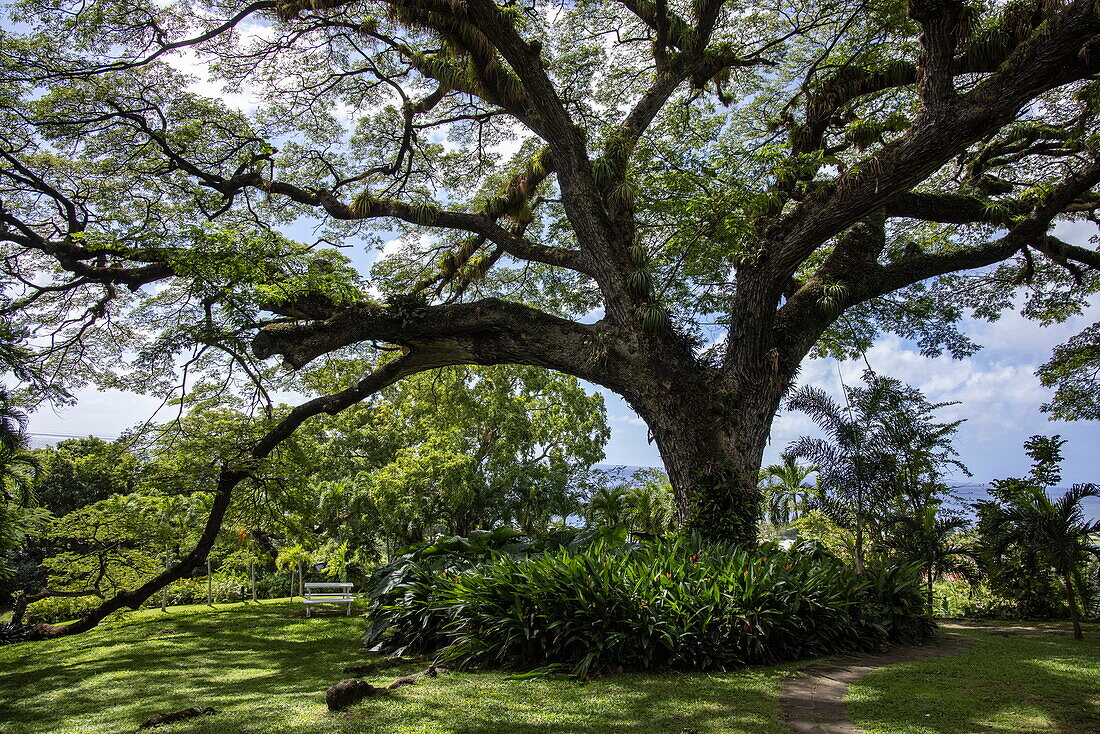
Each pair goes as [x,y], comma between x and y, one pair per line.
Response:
[812,699]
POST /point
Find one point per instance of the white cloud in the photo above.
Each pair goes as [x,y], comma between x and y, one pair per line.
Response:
[630,420]
[187,61]
[997,393]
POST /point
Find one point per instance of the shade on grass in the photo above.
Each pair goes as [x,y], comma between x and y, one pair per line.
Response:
[1029,681]
[265,669]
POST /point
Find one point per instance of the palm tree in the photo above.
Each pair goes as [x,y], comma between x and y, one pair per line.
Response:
[18,468]
[851,464]
[294,557]
[13,423]
[1052,529]
[563,505]
[786,491]
[931,540]
[607,505]
[649,508]
[881,447]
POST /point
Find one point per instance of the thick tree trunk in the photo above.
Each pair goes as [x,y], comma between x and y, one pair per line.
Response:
[716,487]
[712,444]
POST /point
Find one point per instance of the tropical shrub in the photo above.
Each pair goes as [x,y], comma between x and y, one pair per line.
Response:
[54,609]
[407,585]
[958,597]
[670,604]
[224,588]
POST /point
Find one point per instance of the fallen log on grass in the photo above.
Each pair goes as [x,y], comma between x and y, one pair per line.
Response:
[350,692]
[431,672]
[158,719]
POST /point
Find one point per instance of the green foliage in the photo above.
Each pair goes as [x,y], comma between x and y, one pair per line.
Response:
[13,420]
[650,503]
[607,505]
[105,546]
[961,598]
[723,505]
[786,493]
[677,603]
[818,527]
[883,453]
[18,524]
[1074,373]
[1029,539]
[20,517]
[933,541]
[60,608]
[225,588]
[457,450]
[79,471]
[411,575]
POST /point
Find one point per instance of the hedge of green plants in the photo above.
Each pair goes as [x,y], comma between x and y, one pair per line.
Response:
[55,609]
[668,604]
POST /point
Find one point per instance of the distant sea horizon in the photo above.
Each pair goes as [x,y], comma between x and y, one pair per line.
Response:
[963,494]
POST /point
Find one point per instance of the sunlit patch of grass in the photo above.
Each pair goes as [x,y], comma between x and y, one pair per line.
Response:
[1026,681]
[265,669]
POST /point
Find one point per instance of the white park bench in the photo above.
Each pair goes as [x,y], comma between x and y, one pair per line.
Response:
[331,593]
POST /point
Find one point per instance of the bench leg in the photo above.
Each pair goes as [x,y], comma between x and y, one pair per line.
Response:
[307,611]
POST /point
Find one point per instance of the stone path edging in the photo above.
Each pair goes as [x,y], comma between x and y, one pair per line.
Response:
[811,700]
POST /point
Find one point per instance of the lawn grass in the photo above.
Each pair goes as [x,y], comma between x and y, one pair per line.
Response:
[1034,679]
[265,669]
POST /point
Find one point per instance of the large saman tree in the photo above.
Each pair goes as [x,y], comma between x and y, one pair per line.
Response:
[679,201]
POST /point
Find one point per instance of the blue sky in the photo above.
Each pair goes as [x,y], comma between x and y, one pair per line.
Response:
[998,395]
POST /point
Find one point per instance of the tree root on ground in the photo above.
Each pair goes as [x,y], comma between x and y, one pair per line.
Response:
[158,719]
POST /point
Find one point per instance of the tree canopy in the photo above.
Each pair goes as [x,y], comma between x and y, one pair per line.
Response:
[458,449]
[677,201]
